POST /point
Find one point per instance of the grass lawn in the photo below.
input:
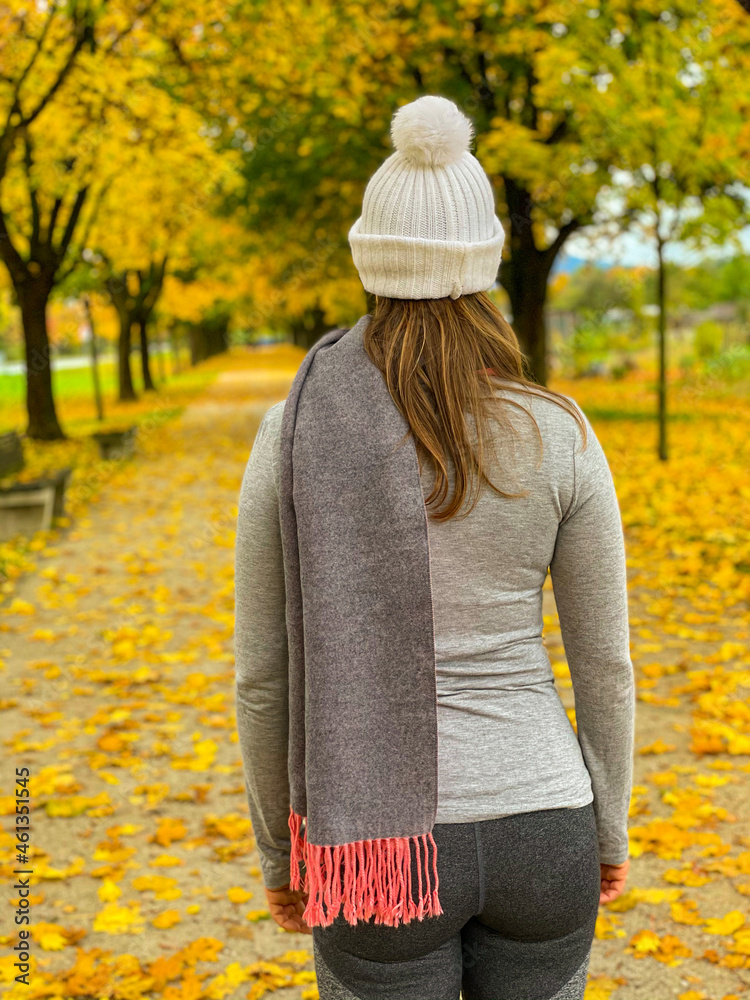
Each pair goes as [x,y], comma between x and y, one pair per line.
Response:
[74,394]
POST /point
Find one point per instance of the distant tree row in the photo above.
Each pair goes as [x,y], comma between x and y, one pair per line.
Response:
[108,174]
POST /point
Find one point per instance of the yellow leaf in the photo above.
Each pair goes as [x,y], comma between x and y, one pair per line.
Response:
[109,891]
[686,912]
[608,927]
[203,950]
[658,746]
[645,942]
[114,919]
[601,988]
[725,925]
[19,607]
[233,826]
[169,830]
[238,895]
[52,937]
[302,977]
[668,949]
[686,876]
[161,885]
[167,919]
[741,944]
[301,957]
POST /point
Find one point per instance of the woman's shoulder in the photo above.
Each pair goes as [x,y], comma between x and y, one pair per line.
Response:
[555,413]
[271,422]
[269,436]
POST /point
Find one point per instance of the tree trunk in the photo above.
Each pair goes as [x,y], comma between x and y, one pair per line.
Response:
[524,274]
[145,365]
[216,336]
[127,391]
[309,328]
[208,338]
[160,359]
[198,345]
[174,345]
[525,280]
[40,403]
[94,360]
[662,300]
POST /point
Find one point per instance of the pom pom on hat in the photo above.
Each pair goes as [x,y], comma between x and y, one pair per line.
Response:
[431,132]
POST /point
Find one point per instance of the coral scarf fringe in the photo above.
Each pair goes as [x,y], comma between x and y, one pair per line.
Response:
[365,878]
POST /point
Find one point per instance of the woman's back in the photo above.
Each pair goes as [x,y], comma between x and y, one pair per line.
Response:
[505,744]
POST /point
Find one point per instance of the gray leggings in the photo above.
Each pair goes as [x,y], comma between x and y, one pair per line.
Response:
[520,896]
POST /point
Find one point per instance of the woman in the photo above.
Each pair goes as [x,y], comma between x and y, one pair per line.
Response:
[451,833]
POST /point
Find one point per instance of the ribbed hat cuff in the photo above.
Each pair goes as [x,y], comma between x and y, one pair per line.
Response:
[401,267]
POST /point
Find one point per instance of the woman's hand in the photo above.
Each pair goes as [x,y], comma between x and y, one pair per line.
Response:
[613,881]
[287,906]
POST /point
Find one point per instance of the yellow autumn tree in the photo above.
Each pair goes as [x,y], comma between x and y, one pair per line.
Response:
[152,218]
[63,76]
[82,94]
[684,156]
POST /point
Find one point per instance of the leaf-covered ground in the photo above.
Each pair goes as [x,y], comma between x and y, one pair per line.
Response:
[683,927]
[118,695]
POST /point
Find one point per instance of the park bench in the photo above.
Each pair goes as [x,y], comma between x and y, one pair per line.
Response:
[116,444]
[27,507]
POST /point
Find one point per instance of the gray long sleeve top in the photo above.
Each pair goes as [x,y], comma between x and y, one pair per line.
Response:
[505,743]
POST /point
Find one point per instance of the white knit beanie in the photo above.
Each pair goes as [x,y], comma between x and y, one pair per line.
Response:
[428,227]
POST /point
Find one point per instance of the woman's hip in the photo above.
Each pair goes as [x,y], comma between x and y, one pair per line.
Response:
[522,890]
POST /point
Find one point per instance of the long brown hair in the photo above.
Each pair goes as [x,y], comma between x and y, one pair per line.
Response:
[433,354]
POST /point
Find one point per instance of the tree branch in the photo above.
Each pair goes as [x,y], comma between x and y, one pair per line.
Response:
[557,132]
[28,163]
[126,31]
[53,220]
[73,263]
[84,35]
[93,214]
[157,272]
[13,260]
[174,44]
[562,234]
[531,107]
[75,212]
[14,103]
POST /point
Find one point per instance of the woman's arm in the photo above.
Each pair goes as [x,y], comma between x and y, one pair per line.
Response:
[261,659]
[590,586]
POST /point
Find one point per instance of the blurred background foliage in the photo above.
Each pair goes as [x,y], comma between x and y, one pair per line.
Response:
[191,171]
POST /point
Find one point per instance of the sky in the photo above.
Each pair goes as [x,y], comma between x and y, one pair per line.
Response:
[632,249]
[606,243]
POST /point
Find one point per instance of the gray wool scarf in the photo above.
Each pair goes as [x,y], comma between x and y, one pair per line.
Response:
[362,699]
